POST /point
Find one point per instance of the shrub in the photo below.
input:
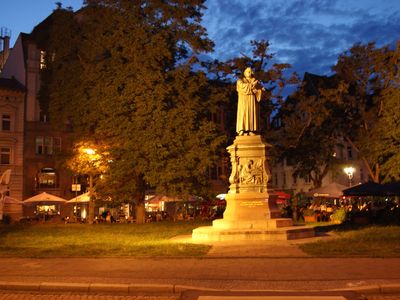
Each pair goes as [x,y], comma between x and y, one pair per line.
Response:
[339,216]
[6,219]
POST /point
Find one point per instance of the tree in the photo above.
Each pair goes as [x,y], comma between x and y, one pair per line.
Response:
[310,128]
[355,104]
[127,81]
[88,159]
[388,129]
[370,76]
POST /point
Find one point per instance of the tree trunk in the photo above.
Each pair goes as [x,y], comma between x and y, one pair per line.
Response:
[91,201]
[141,192]
[140,213]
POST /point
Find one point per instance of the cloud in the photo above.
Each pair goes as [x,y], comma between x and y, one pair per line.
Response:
[307,34]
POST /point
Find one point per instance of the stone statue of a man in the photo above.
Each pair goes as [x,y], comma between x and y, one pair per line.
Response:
[250,94]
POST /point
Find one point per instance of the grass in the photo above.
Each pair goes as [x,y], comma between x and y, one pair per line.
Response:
[99,240]
[372,241]
[154,239]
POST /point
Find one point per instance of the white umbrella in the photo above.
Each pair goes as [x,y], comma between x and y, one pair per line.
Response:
[332,190]
[44,197]
[80,199]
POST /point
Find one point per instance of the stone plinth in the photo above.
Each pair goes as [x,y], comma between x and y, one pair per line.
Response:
[251,212]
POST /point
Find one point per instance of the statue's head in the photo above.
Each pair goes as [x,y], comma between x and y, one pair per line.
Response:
[248,72]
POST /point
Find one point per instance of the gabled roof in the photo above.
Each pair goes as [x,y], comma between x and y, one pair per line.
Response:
[11,84]
[312,83]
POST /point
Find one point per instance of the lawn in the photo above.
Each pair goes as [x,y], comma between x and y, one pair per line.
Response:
[154,239]
[98,240]
[371,241]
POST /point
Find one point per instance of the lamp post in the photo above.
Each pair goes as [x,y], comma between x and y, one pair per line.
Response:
[92,158]
[350,172]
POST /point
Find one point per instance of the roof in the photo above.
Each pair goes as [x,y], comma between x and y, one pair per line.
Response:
[11,84]
[312,83]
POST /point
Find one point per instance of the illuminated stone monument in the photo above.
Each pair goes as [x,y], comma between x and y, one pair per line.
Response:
[251,212]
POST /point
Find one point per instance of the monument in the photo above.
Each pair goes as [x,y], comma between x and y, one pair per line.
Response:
[251,211]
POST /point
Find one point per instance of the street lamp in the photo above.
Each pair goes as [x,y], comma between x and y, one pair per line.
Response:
[350,172]
[92,158]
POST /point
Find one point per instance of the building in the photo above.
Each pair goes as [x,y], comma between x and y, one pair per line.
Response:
[41,142]
[12,95]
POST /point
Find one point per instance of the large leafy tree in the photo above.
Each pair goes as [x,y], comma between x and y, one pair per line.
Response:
[387,143]
[309,128]
[356,106]
[122,74]
[371,77]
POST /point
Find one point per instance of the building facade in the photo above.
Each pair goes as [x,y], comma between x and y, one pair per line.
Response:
[12,95]
[41,142]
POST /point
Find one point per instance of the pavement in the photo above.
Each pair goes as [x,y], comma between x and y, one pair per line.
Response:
[269,268]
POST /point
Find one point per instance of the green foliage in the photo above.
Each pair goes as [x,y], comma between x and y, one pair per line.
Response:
[126,75]
[371,77]
[357,106]
[310,128]
[339,215]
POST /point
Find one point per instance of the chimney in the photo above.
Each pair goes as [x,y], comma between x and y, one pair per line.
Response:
[5,50]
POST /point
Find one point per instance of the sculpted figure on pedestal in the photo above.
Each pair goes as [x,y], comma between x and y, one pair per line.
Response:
[250,93]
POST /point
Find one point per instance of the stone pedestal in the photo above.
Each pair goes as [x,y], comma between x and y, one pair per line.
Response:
[251,212]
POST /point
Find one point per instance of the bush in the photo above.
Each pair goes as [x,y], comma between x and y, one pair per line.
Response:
[6,219]
[339,216]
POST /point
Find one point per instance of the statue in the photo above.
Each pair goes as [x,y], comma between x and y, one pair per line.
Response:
[250,93]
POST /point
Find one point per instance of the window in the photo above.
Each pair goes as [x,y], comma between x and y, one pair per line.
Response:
[5,155]
[57,144]
[43,117]
[39,145]
[284,179]
[42,59]
[6,122]
[47,178]
[47,145]
[349,152]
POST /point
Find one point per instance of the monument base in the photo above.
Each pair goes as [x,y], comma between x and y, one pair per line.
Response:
[251,212]
[210,233]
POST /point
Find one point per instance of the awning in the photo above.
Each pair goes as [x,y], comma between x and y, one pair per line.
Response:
[45,197]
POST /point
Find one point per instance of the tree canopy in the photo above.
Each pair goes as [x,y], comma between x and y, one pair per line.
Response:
[355,106]
[121,73]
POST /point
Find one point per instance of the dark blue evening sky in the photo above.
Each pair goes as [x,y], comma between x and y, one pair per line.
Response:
[308,34]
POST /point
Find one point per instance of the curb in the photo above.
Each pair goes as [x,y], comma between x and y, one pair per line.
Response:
[163,289]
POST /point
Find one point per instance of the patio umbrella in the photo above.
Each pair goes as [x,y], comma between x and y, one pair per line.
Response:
[44,197]
[332,190]
[80,199]
[282,197]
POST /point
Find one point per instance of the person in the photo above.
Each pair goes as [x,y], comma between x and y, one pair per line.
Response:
[250,93]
